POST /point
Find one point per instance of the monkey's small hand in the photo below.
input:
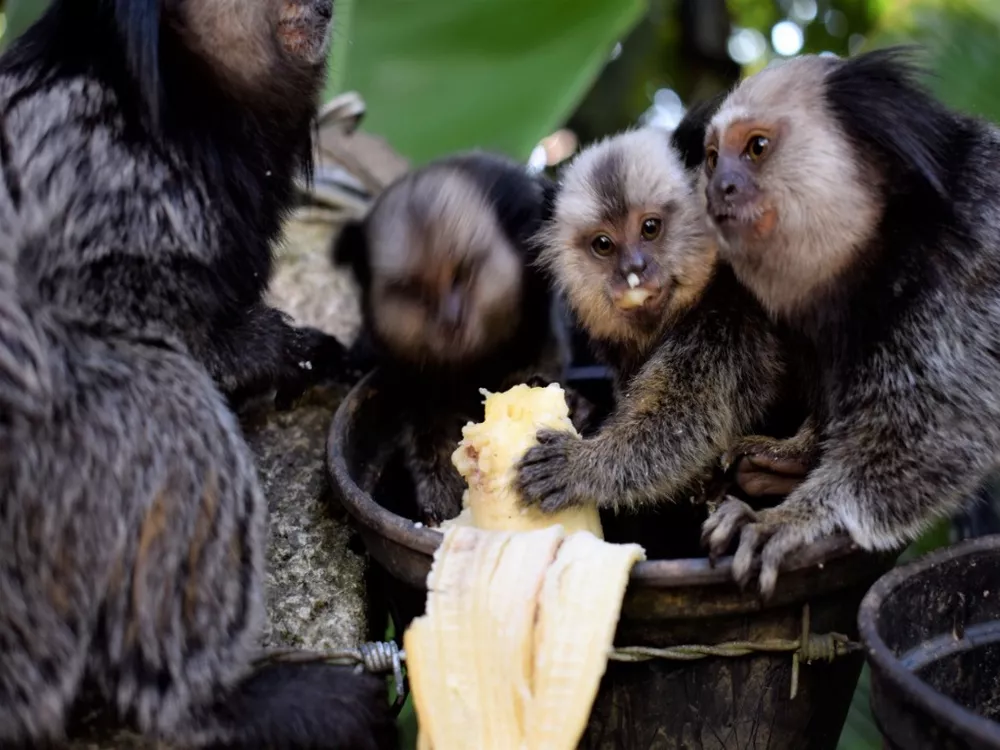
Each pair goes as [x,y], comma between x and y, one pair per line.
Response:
[765,466]
[546,475]
[766,536]
[310,357]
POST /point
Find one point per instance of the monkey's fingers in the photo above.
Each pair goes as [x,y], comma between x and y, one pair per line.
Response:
[289,390]
[539,456]
[328,358]
[785,539]
[554,437]
[549,450]
[537,487]
[558,500]
[720,528]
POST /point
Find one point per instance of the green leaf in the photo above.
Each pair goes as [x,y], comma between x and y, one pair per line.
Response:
[19,15]
[440,75]
[961,39]
[860,732]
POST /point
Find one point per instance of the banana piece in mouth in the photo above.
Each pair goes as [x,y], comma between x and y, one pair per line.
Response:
[633,298]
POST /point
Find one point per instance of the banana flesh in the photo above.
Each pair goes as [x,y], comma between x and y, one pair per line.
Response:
[489,451]
[521,607]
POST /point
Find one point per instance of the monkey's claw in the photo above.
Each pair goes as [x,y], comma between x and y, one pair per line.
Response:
[545,475]
[721,527]
[766,536]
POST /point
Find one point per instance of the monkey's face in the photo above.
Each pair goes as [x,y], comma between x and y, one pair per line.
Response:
[782,186]
[251,41]
[627,241]
[625,254]
[446,282]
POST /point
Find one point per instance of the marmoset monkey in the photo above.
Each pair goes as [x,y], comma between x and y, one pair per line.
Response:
[864,214]
[697,362]
[147,150]
[452,303]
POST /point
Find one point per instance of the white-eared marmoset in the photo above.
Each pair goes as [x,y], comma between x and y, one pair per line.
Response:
[147,149]
[452,303]
[865,215]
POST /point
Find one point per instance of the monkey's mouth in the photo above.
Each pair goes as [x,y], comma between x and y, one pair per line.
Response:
[755,219]
[731,216]
[640,299]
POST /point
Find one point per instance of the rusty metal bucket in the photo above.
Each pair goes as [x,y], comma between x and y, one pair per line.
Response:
[698,663]
[932,631]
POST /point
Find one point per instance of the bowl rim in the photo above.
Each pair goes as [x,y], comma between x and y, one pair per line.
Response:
[695,571]
[973,726]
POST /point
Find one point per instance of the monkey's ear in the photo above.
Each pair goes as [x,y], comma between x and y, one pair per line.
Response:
[549,191]
[879,102]
[688,137]
[138,23]
[350,250]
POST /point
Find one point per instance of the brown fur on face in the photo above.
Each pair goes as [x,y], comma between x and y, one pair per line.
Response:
[609,190]
[251,41]
[803,206]
[446,281]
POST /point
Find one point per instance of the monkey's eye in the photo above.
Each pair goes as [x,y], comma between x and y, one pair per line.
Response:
[407,289]
[756,147]
[463,272]
[711,159]
[602,245]
[651,229]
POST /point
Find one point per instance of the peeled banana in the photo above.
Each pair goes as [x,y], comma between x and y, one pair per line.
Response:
[521,607]
[489,451]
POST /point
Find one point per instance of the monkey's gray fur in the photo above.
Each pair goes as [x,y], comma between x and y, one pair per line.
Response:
[132,263]
[698,366]
[869,220]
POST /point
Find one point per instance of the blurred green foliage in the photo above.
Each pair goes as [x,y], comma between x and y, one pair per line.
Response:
[19,15]
[962,42]
[440,75]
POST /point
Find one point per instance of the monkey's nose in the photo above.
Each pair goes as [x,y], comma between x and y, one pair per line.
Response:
[633,262]
[731,184]
[450,311]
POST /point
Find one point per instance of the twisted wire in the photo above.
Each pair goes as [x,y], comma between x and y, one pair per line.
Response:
[381,657]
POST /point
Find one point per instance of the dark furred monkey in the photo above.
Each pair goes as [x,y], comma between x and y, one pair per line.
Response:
[190,120]
[697,362]
[866,215]
[451,304]
[146,155]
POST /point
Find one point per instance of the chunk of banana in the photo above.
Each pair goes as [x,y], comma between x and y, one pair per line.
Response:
[633,298]
[489,451]
[521,609]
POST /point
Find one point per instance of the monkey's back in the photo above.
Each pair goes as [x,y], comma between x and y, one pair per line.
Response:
[133,535]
